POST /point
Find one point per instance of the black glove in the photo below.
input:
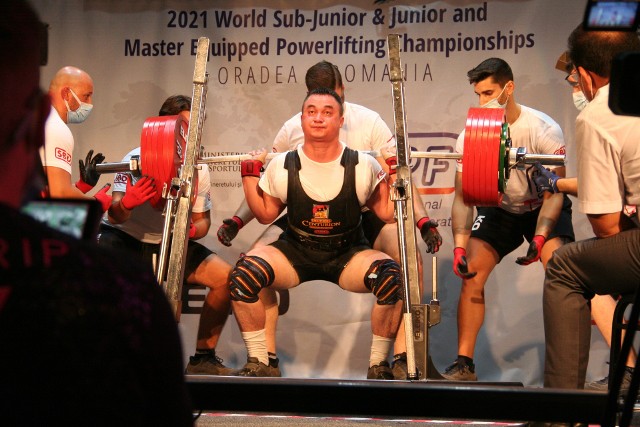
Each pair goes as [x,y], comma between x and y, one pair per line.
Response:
[534,251]
[460,266]
[229,230]
[430,234]
[545,179]
[88,172]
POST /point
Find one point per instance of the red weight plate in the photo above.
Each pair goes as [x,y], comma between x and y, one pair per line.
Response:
[485,174]
[158,153]
[160,165]
[497,129]
[481,157]
[493,151]
[483,148]
[467,136]
[477,154]
[173,146]
[156,169]
[468,161]
[147,151]
[164,147]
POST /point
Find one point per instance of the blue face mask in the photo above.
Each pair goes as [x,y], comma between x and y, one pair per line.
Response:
[79,115]
[579,100]
[494,103]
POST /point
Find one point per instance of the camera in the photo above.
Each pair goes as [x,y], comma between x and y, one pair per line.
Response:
[612,15]
[77,217]
[624,82]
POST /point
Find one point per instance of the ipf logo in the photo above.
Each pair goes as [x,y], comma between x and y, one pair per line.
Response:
[431,176]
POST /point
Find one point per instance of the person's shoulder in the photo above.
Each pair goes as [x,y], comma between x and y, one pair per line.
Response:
[279,157]
[538,115]
[293,121]
[365,158]
[55,125]
[134,152]
[360,111]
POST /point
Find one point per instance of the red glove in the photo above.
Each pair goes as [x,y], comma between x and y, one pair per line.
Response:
[392,162]
[535,249]
[83,186]
[143,190]
[460,266]
[103,197]
[192,230]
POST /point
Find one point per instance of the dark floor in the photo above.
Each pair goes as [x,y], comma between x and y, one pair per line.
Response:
[255,420]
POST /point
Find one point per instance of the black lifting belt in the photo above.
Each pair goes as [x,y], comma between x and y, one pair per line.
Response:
[325,243]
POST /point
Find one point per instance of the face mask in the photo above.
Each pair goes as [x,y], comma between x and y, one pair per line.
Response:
[494,102]
[79,115]
[579,100]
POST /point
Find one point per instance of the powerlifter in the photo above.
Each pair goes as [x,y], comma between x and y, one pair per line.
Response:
[327,184]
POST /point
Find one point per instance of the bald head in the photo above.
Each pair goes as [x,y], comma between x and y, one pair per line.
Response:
[67,81]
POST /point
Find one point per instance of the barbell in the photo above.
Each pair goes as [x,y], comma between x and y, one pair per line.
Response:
[487,157]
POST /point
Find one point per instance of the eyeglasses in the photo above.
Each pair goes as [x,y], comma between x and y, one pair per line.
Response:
[572,79]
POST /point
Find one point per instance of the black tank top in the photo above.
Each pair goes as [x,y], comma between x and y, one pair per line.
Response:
[333,224]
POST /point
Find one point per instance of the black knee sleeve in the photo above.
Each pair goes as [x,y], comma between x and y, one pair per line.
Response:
[250,274]
[383,280]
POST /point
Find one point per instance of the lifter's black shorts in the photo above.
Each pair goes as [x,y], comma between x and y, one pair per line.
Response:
[371,225]
[505,231]
[311,264]
[118,239]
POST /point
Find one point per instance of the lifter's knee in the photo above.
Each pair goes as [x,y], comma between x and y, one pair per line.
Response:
[383,280]
[250,274]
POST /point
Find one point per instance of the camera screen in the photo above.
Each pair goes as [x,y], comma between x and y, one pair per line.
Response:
[78,218]
[612,15]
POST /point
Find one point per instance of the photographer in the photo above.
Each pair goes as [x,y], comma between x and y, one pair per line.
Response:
[608,178]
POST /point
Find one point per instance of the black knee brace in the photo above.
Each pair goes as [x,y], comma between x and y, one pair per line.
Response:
[383,280]
[250,274]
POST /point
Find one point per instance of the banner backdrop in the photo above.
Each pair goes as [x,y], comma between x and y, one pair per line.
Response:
[139,53]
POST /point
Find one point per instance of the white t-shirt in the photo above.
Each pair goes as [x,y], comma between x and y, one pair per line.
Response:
[363,129]
[146,223]
[322,181]
[539,134]
[608,148]
[58,143]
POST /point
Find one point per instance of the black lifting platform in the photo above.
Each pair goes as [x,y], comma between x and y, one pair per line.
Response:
[377,398]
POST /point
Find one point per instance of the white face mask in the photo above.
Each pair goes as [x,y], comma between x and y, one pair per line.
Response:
[579,100]
[79,115]
[494,102]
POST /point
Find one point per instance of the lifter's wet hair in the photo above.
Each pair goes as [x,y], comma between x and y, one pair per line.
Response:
[325,91]
[496,68]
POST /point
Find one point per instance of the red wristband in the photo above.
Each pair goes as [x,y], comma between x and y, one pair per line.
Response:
[539,239]
[83,186]
[251,168]
[421,222]
[392,162]
[238,221]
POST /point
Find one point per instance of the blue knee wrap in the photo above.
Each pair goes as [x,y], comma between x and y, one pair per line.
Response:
[250,274]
